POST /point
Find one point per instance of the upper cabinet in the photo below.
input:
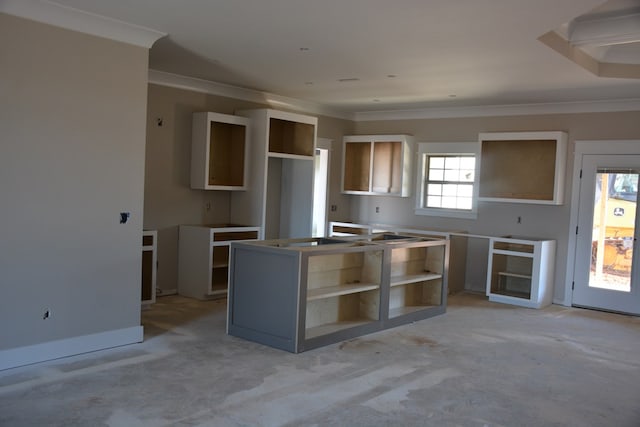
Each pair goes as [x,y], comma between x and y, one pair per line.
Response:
[291,137]
[523,167]
[377,165]
[219,150]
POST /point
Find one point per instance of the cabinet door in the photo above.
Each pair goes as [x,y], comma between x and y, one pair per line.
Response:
[357,167]
[387,167]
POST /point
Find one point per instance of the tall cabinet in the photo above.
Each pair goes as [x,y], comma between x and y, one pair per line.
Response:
[279,198]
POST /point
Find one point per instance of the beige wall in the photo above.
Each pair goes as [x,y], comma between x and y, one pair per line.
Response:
[169,201]
[497,218]
[72,117]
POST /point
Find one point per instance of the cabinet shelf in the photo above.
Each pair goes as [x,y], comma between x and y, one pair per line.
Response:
[289,156]
[520,276]
[405,310]
[513,253]
[333,291]
[330,328]
[413,278]
[220,265]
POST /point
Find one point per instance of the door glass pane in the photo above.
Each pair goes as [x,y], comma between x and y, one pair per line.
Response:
[614,220]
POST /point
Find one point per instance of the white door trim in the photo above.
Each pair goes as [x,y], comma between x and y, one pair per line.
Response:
[581,148]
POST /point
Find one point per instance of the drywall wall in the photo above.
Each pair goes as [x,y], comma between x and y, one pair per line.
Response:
[496,218]
[169,201]
[71,159]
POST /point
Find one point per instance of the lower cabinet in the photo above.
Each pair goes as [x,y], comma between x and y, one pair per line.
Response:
[299,294]
[521,271]
[203,258]
[149,266]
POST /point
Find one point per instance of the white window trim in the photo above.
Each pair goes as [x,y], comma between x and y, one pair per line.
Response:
[452,149]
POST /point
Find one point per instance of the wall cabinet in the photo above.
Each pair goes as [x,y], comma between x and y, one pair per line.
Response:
[299,294]
[149,266]
[523,167]
[377,165]
[203,258]
[521,271]
[219,151]
[280,197]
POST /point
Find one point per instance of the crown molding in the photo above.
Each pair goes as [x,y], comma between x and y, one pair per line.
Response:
[55,14]
[276,101]
[163,78]
[601,106]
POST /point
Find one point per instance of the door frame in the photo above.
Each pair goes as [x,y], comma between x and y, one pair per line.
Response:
[598,147]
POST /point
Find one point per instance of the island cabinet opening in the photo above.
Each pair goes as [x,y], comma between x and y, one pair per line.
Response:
[416,279]
[343,290]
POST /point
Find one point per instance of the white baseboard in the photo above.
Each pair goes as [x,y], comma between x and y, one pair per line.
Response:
[36,353]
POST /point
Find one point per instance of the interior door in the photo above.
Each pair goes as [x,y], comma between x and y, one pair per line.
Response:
[606,267]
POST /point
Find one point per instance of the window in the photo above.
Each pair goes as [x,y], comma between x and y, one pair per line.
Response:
[447,180]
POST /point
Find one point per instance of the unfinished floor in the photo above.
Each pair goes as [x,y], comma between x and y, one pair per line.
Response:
[480,364]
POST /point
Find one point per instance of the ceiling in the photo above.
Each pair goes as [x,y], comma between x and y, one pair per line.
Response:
[376,55]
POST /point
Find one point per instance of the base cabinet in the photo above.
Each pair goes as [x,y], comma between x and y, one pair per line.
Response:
[149,266]
[521,271]
[299,294]
[203,258]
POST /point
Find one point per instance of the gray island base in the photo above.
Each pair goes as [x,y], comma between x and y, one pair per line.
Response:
[300,294]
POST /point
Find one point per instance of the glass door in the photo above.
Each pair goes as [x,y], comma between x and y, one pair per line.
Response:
[605,277]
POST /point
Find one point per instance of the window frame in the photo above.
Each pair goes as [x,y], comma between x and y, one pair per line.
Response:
[426,149]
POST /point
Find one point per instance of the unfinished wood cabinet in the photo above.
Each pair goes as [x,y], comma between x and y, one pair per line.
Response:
[203,258]
[521,271]
[149,266]
[523,167]
[219,151]
[280,199]
[377,165]
[299,294]
[417,284]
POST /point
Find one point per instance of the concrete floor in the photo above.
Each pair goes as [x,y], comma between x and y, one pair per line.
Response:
[480,364]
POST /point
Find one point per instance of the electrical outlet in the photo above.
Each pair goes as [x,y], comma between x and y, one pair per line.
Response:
[124,217]
[334,208]
[377,209]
